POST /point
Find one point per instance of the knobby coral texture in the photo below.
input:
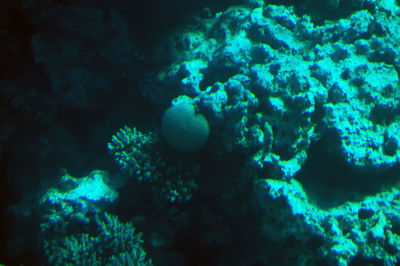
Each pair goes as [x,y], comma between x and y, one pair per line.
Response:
[251,134]
[272,83]
[256,69]
[75,230]
[146,158]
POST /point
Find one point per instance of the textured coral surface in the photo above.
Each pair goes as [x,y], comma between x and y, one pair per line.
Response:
[240,132]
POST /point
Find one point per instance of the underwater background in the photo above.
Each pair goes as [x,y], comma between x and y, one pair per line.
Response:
[214,132]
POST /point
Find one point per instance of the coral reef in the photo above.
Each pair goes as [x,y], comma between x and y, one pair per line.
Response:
[272,83]
[146,157]
[279,82]
[115,244]
[267,131]
[368,228]
[76,230]
[75,201]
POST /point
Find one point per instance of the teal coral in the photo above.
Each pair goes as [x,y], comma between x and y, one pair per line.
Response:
[304,80]
[115,244]
[184,129]
[75,230]
[368,228]
[145,157]
[74,200]
[277,85]
[135,153]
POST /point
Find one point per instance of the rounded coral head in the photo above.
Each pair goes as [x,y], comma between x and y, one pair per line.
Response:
[183,129]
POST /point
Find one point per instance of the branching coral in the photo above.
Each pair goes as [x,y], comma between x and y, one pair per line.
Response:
[146,157]
[115,243]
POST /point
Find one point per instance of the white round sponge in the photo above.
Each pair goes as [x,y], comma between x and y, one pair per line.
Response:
[184,130]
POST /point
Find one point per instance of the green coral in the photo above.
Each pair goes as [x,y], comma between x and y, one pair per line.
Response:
[74,200]
[114,244]
[368,228]
[146,157]
[134,152]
